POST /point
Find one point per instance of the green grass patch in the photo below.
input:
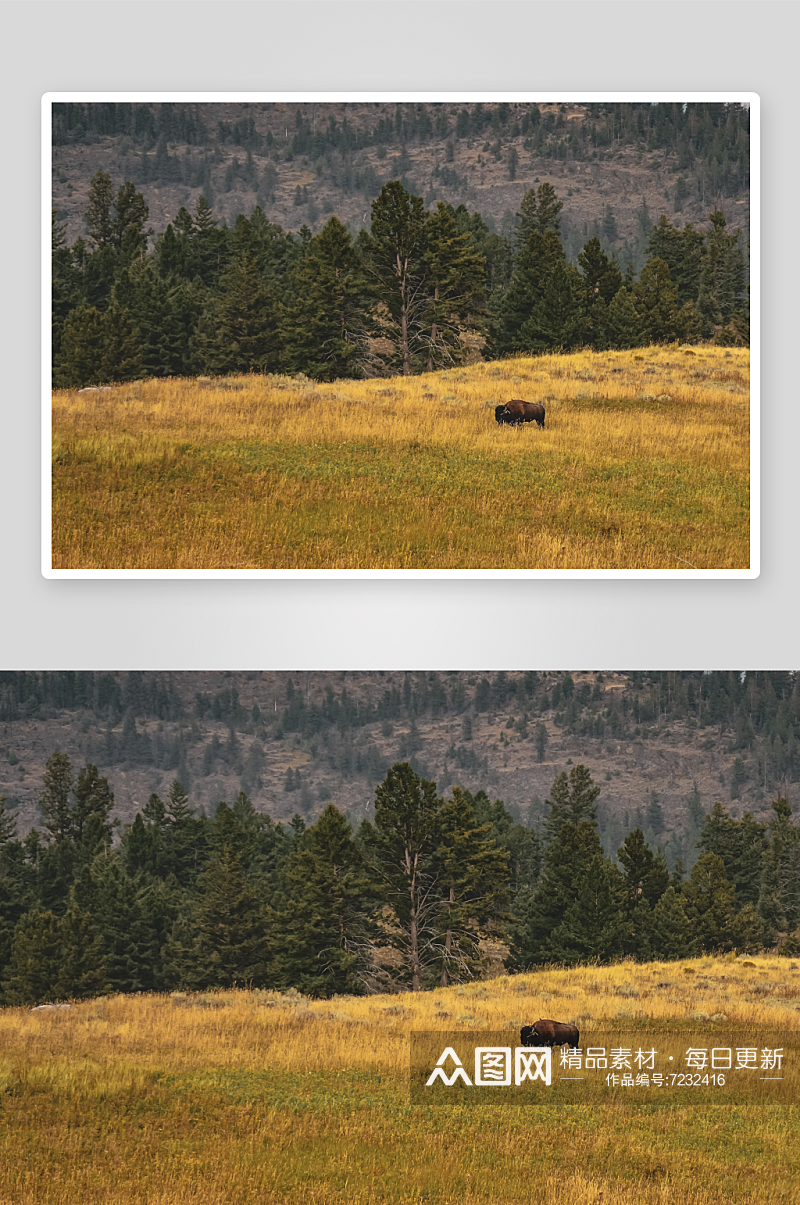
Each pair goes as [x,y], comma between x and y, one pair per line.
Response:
[353,1136]
[274,505]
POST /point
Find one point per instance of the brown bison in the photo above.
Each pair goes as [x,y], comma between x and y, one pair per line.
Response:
[517,412]
[550,1033]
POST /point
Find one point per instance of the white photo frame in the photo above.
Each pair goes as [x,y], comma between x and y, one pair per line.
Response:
[681,571]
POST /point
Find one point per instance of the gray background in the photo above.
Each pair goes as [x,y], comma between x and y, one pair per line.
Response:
[409,46]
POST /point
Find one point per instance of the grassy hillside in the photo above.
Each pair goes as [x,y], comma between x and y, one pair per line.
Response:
[256,1097]
[644,463]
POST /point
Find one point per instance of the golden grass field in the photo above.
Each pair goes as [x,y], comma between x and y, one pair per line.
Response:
[643,464]
[256,1097]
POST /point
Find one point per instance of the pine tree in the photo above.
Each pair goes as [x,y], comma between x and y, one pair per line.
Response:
[99,218]
[645,879]
[100,266]
[170,253]
[657,302]
[592,926]
[602,281]
[34,968]
[695,825]
[54,959]
[55,800]
[723,282]
[76,821]
[98,347]
[683,251]
[643,220]
[710,903]
[636,936]
[525,856]
[136,847]
[394,251]
[573,913]
[472,881]
[399,852]
[654,817]
[184,838]
[207,256]
[251,835]
[324,330]
[11,905]
[81,350]
[130,941]
[671,935]
[128,224]
[97,273]
[176,251]
[779,896]
[623,324]
[94,802]
[749,930]
[143,841]
[164,313]
[230,917]
[82,970]
[455,283]
[556,321]
[8,826]
[572,801]
[65,285]
[646,875]
[609,225]
[183,964]
[322,940]
[742,845]
[54,875]
[524,301]
[246,337]
[523,931]
[540,212]
[275,252]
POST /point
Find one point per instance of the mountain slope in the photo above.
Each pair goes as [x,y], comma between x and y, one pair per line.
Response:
[662,746]
[615,166]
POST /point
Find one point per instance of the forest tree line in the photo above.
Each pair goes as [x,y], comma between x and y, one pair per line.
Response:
[421,290]
[404,901]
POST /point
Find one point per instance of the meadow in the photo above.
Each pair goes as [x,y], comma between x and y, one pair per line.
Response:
[251,1096]
[643,464]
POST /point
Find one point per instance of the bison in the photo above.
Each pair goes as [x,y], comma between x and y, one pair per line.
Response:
[550,1033]
[516,412]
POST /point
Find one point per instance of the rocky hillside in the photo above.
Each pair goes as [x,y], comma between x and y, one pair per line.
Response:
[616,167]
[663,747]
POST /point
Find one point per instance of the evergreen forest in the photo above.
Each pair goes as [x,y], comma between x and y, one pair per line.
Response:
[428,891]
[427,286]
